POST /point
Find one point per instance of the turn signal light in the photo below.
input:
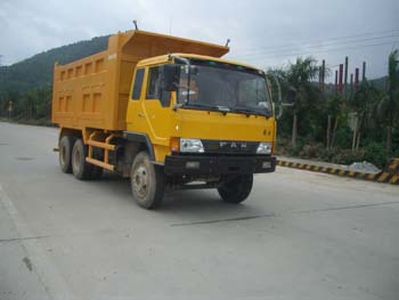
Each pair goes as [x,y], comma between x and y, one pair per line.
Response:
[175,144]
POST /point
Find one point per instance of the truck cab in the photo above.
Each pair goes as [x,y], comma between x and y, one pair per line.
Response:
[208,121]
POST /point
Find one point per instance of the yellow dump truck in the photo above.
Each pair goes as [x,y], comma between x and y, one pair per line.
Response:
[167,113]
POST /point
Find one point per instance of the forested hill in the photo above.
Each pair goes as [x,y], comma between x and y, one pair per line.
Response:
[36,72]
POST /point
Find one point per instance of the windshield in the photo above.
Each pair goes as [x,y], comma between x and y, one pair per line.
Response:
[225,87]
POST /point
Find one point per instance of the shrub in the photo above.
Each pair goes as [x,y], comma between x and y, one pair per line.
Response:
[312,150]
[376,154]
[343,137]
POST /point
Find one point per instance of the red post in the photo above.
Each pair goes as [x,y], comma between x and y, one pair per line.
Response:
[346,75]
[356,79]
[336,81]
[364,71]
[323,74]
[341,74]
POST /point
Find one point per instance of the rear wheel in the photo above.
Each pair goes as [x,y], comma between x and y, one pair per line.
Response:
[80,168]
[65,153]
[147,182]
[236,189]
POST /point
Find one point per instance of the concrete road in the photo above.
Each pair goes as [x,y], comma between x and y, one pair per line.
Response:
[301,235]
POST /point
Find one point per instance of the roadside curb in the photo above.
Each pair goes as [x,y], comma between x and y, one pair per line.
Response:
[390,175]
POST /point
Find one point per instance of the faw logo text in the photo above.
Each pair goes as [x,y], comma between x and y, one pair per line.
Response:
[233,145]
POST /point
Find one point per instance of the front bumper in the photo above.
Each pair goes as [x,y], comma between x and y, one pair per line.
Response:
[203,165]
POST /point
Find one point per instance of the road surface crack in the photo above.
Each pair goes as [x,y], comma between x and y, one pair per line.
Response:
[276,215]
[24,238]
[347,207]
[223,220]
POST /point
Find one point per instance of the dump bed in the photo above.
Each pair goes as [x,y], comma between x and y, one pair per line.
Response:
[93,92]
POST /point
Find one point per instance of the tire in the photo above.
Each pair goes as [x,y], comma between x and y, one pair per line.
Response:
[65,153]
[147,182]
[236,189]
[80,168]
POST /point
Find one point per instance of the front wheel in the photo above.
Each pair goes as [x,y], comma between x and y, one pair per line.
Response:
[236,189]
[147,182]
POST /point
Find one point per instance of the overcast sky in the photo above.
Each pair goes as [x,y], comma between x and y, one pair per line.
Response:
[263,33]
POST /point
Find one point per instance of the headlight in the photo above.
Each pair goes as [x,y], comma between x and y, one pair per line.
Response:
[191,145]
[264,148]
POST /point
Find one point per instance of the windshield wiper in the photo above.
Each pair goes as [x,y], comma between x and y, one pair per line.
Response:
[221,108]
[225,109]
[248,111]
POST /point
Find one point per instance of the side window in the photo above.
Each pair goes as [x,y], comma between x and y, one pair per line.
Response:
[138,84]
[154,90]
[154,84]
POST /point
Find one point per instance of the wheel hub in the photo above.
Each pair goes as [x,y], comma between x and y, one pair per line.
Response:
[76,160]
[140,181]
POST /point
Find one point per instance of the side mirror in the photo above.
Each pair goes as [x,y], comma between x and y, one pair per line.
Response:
[291,97]
[170,77]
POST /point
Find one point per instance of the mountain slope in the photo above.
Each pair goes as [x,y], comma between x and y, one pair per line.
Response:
[37,71]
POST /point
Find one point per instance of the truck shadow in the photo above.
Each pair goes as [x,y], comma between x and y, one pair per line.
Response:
[182,207]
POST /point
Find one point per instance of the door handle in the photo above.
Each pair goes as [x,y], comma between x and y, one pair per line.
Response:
[140,115]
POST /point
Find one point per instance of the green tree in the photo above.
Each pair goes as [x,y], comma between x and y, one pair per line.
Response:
[307,107]
[363,105]
[388,108]
[334,110]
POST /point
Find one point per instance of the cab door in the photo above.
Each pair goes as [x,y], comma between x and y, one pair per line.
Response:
[156,106]
[135,121]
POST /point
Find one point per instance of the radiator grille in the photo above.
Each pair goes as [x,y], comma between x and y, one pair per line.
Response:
[228,147]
